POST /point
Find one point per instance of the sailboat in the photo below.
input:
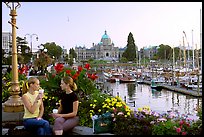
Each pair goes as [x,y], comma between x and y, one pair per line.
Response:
[155,86]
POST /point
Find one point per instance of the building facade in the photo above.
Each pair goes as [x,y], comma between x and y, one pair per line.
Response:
[104,50]
[6,42]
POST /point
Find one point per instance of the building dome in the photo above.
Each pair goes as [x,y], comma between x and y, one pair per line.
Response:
[106,39]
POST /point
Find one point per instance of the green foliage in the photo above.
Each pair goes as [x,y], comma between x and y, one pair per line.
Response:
[165,128]
[73,53]
[123,60]
[6,84]
[53,50]
[130,52]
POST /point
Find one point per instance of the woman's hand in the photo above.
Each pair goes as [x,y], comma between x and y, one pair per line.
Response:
[38,97]
[38,118]
[55,115]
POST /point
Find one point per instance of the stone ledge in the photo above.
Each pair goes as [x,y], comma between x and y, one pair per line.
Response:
[78,130]
[82,130]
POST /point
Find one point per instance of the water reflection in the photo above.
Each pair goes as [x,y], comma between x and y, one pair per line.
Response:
[160,101]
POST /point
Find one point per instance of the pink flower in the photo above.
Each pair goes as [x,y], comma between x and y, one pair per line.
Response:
[181,122]
[178,130]
[120,113]
[161,119]
[184,133]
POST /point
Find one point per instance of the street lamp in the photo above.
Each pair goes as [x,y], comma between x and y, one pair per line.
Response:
[14,102]
[31,38]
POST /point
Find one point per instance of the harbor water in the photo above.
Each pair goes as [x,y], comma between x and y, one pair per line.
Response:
[139,95]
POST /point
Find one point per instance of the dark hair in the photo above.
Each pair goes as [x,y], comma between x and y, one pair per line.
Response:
[70,81]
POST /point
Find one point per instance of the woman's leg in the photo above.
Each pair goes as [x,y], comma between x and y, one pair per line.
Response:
[58,126]
[33,123]
[70,123]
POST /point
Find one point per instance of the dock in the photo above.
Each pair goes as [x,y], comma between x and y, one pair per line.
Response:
[177,89]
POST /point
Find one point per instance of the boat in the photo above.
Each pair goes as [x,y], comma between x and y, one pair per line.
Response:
[112,76]
[140,81]
[155,86]
[127,79]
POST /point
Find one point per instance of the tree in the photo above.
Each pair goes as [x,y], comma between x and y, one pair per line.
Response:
[70,60]
[130,52]
[42,62]
[53,50]
[73,53]
[164,52]
[24,55]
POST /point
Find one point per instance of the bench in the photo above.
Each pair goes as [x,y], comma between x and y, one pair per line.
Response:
[78,130]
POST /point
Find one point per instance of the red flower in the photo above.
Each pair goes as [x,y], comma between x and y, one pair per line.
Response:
[87,66]
[75,76]
[59,67]
[68,72]
[80,68]
[92,76]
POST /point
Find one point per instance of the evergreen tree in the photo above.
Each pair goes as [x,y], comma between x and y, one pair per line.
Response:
[73,53]
[130,52]
[24,55]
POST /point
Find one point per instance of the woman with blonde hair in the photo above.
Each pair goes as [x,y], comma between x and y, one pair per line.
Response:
[66,118]
[34,109]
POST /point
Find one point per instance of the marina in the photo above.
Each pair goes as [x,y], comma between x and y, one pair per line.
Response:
[139,95]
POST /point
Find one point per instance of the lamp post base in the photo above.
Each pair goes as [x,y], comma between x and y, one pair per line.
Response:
[13,104]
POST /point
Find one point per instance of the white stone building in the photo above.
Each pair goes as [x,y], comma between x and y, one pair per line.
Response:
[104,50]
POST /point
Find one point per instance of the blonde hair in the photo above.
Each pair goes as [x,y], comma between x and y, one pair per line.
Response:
[70,81]
[27,83]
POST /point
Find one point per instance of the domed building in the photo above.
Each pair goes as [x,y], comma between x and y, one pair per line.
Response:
[104,50]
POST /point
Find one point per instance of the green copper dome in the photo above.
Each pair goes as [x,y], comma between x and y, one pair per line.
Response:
[105,36]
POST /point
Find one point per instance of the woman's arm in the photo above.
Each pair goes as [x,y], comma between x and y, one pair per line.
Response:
[72,114]
[60,107]
[41,110]
[31,107]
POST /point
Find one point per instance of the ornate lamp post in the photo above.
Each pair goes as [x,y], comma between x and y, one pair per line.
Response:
[14,102]
[31,46]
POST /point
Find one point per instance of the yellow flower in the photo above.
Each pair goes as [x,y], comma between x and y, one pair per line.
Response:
[128,113]
[107,100]
[95,100]
[99,110]
[91,104]
[94,106]
[91,111]
[139,109]
[8,83]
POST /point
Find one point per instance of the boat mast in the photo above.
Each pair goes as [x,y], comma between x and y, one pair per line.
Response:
[173,75]
[193,51]
[201,37]
[188,49]
[184,54]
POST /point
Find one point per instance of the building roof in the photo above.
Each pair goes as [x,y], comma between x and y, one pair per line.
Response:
[105,36]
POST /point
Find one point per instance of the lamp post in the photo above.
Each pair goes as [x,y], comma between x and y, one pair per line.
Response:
[14,102]
[31,38]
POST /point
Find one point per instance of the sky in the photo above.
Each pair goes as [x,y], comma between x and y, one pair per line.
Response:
[71,24]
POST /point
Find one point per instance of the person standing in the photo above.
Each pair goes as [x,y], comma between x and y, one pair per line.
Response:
[34,108]
[66,118]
